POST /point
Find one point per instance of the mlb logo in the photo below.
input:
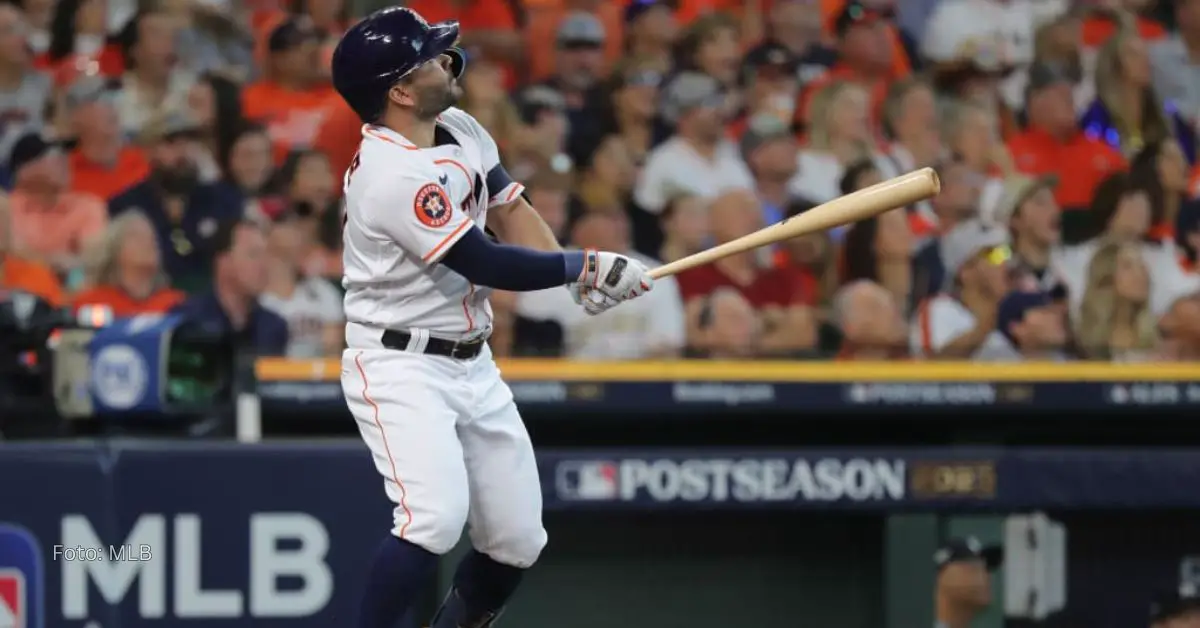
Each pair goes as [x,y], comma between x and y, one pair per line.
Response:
[21,579]
[588,480]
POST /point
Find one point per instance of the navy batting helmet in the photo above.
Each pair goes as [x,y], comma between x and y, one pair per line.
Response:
[382,49]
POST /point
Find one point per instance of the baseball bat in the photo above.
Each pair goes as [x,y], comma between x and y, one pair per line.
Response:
[870,201]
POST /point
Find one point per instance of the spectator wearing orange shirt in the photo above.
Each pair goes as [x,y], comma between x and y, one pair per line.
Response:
[102,163]
[79,41]
[50,223]
[23,274]
[1054,144]
[125,273]
[294,99]
[865,55]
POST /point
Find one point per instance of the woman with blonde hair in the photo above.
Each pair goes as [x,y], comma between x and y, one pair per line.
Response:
[1115,321]
[1126,113]
[839,134]
[125,270]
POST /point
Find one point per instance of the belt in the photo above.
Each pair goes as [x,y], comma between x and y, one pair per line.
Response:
[457,349]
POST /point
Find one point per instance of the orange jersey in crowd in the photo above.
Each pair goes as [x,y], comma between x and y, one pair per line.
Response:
[104,182]
[292,117]
[28,276]
[123,305]
[1080,163]
[61,229]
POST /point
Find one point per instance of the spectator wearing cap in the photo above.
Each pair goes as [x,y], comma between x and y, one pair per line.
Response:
[185,212]
[124,270]
[963,585]
[797,26]
[1027,207]
[991,37]
[1034,325]
[579,68]
[542,141]
[1177,608]
[866,55]
[769,148]
[293,98]
[18,272]
[311,305]
[542,20]
[651,31]
[711,45]
[697,159]
[49,221]
[777,294]
[1126,113]
[956,203]
[103,163]
[1115,320]
[871,325]
[653,329]
[838,134]
[770,85]
[153,81]
[232,305]
[959,323]
[79,43]
[1175,67]
[1054,144]
[24,91]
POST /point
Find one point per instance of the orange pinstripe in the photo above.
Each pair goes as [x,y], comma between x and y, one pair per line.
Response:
[433,253]
[387,449]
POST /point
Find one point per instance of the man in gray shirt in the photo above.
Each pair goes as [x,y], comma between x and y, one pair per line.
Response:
[24,92]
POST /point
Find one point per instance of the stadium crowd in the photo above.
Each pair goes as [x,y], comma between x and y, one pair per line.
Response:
[186,154]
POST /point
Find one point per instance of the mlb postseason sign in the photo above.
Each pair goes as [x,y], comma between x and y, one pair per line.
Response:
[784,480]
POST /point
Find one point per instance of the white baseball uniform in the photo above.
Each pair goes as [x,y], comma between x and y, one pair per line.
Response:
[444,433]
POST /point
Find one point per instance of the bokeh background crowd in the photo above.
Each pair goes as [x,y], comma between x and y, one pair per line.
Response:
[189,151]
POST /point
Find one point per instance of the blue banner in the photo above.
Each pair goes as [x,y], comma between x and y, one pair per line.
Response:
[127,362]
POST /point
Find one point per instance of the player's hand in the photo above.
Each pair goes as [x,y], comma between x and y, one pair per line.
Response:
[609,279]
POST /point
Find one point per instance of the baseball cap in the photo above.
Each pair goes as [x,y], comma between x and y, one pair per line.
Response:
[966,549]
[532,101]
[761,129]
[687,91]
[966,240]
[997,204]
[771,55]
[580,28]
[855,13]
[1043,75]
[29,148]
[1013,308]
[1169,604]
[291,33]
[90,89]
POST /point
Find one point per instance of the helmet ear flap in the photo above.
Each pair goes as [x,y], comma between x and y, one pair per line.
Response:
[458,61]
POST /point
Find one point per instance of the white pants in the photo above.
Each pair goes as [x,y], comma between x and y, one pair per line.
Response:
[452,449]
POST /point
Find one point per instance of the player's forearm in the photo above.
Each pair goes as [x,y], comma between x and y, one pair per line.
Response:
[514,268]
[519,223]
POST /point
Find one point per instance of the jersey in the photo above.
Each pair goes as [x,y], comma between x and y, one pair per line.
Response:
[405,208]
[943,318]
[313,305]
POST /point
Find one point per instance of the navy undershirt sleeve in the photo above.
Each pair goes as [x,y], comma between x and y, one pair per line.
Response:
[514,268]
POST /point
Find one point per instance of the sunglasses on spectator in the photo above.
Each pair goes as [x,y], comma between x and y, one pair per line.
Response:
[996,255]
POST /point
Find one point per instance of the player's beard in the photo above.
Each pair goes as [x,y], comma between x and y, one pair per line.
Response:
[434,99]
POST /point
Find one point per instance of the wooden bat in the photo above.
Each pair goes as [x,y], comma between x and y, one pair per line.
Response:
[865,203]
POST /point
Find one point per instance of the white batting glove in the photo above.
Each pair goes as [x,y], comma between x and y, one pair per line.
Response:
[609,279]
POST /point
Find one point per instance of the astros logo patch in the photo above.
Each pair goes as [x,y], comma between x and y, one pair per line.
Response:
[432,206]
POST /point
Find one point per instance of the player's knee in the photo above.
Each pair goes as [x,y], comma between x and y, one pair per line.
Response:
[518,545]
[437,530]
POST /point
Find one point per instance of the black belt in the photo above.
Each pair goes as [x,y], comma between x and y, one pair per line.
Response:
[457,349]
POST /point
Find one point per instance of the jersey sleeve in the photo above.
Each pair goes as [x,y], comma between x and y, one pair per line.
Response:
[501,187]
[416,213]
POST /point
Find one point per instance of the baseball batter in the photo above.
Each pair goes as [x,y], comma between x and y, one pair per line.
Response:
[418,376]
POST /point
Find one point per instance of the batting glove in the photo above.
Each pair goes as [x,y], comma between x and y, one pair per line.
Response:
[609,279]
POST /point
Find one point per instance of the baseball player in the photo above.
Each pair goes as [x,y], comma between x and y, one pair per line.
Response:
[418,375]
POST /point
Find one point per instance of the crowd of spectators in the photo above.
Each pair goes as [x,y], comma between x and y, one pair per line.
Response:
[187,154]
